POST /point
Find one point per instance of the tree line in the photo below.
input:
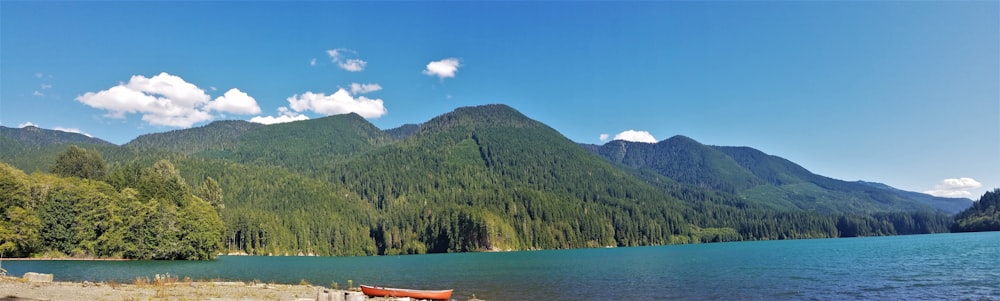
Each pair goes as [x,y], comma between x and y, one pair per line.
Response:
[82,210]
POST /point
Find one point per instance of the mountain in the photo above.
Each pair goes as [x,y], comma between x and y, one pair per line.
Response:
[491,178]
[403,131]
[948,205]
[217,135]
[302,145]
[684,160]
[763,179]
[35,149]
[38,137]
[513,182]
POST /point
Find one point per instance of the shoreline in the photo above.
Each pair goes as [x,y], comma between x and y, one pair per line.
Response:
[62,258]
[21,289]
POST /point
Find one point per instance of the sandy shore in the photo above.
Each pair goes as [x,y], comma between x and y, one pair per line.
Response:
[13,288]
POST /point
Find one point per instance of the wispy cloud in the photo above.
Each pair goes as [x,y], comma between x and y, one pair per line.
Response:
[284,115]
[445,68]
[357,88]
[166,100]
[312,62]
[347,59]
[636,136]
[26,124]
[46,86]
[72,130]
[955,187]
[37,93]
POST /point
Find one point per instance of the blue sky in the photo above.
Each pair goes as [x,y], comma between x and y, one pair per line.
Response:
[904,93]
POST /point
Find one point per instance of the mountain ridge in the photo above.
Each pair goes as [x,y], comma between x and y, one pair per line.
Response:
[490,178]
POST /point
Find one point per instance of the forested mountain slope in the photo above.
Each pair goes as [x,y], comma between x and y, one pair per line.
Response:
[948,205]
[763,179]
[35,149]
[477,178]
[302,145]
[984,215]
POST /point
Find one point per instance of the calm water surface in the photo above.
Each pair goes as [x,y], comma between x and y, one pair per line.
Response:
[918,267]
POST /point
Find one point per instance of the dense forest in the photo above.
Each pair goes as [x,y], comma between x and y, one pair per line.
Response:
[984,215]
[475,179]
[81,210]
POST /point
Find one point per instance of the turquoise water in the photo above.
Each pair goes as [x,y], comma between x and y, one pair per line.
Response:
[918,267]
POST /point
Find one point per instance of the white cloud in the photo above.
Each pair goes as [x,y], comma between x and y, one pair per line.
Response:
[236,102]
[636,136]
[72,130]
[357,88]
[284,115]
[39,74]
[443,69]
[353,65]
[955,187]
[36,93]
[312,62]
[26,124]
[46,86]
[165,100]
[604,137]
[171,87]
[346,59]
[340,102]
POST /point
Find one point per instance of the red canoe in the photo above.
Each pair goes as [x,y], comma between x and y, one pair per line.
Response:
[376,291]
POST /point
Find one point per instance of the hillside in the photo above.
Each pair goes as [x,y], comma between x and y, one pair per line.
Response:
[304,145]
[35,149]
[763,179]
[984,215]
[948,205]
[486,178]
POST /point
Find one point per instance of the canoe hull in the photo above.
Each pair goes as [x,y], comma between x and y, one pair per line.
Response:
[375,291]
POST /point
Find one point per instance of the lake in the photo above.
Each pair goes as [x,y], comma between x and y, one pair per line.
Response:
[917,267]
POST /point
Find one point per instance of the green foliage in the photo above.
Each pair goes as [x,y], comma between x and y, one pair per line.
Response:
[19,224]
[158,219]
[984,215]
[81,163]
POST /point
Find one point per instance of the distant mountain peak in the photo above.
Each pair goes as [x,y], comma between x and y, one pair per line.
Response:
[483,116]
[33,135]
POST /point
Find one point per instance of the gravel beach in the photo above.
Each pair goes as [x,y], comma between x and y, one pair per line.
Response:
[14,288]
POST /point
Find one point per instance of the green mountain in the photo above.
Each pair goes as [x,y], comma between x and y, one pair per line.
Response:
[483,178]
[36,137]
[304,145]
[948,205]
[769,181]
[216,136]
[35,149]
